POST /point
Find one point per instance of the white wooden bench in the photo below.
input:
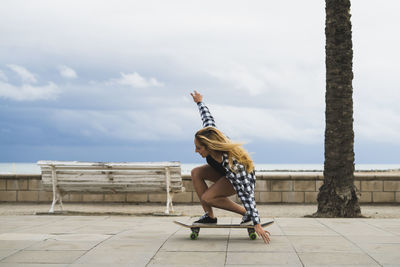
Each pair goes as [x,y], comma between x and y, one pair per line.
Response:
[62,177]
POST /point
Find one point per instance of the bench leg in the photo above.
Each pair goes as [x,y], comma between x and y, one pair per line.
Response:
[56,197]
[55,190]
[52,204]
[167,207]
[60,199]
[169,203]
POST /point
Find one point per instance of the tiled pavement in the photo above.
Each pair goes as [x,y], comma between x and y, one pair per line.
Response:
[156,241]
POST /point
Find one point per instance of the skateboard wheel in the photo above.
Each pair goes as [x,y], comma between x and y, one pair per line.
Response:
[195,230]
[253,236]
[250,230]
[193,236]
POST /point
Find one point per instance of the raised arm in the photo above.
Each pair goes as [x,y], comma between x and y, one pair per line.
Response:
[206,117]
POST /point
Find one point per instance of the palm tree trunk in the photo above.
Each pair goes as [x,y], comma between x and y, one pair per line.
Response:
[337,196]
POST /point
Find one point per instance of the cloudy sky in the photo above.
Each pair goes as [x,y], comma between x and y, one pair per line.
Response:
[110,80]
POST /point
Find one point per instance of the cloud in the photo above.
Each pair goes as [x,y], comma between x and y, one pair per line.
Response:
[67,72]
[3,77]
[125,125]
[377,123]
[135,80]
[23,73]
[246,123]
[241,78]
[171,123]
[27,92]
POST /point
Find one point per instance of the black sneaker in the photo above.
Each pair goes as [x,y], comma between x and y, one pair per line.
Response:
[205,219]
[246,220]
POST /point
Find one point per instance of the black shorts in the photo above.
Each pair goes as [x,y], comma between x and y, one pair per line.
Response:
[216,166]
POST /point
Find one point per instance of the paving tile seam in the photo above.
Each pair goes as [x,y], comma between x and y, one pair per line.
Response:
[85,225]
[28,246]
[372,225]
[87,251]
[345,237]
[2,259]
[40,250]
[202,251]
[27,263]
[22,249]
[227,243]
[263,252]
[158,250]
[291,244]
[333,252]
[42,224]
[31,245]
[45,263]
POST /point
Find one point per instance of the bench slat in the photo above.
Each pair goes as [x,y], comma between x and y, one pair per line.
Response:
[110,177]
[94,179]
[117,188]
[79,164]
[113,182]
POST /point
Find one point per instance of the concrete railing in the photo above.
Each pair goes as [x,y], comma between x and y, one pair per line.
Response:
[271,187]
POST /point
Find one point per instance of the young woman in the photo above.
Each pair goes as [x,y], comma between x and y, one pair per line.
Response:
[230,168]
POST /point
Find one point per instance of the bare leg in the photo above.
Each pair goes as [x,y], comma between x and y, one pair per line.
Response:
[217,196]
[199,175]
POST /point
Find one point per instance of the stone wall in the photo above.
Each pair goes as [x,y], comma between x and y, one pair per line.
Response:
[290,187]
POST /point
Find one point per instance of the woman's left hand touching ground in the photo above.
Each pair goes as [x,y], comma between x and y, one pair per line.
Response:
[262,233]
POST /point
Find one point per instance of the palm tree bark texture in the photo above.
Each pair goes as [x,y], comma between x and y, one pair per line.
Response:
[337,196]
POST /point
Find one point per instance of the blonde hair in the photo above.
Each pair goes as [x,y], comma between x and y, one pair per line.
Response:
[213,139]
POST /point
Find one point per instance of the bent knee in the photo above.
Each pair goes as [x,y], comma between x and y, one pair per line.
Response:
[195,173]
[205,199]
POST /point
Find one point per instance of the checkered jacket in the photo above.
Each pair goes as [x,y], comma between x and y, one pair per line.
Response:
[243,181]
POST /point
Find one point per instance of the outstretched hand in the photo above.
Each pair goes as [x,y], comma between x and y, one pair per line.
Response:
[197,97]
[262,233]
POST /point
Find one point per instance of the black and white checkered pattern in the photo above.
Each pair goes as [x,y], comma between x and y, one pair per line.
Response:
[206,117]
[243,181]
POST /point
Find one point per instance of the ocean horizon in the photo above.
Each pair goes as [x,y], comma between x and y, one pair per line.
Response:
[33,168]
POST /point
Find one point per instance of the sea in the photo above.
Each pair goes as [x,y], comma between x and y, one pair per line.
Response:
[33,168]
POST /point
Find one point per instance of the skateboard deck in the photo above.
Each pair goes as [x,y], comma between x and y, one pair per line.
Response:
[196,228]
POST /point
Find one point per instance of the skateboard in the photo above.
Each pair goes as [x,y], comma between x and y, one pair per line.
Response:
[196,228]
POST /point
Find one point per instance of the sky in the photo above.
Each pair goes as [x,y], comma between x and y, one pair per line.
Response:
[111,80]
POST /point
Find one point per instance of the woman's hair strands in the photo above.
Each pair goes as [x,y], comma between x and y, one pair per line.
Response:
[213,139]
